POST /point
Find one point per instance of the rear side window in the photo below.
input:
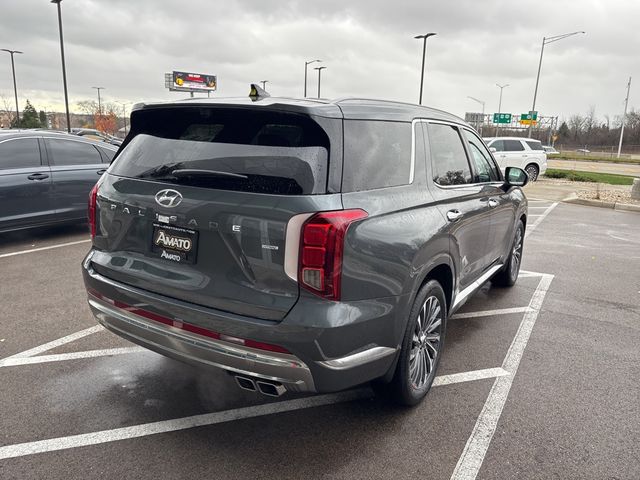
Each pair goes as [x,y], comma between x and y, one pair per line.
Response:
[19,153]
[498,145]
[377,154]
[71,152]
[535,145]
[228,149]
[448,157]
[513,146]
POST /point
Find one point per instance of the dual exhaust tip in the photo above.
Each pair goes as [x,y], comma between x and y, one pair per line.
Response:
[265,387]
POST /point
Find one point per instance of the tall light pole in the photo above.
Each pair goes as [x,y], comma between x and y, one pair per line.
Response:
[481,102]
[624,117]
[424,54]
[501,87]
[124,115]
[264,84]
[319,72]
[64,69]
[545,41]
[99,102]
[305,74]
[13,70]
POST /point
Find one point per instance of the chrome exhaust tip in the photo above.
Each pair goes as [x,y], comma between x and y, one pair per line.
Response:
[246,383]
[270,389]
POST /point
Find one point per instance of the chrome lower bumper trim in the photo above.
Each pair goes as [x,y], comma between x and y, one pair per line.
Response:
[279,367]
[358,359]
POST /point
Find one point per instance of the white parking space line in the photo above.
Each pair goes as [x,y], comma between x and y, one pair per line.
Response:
[532,227]
[469,376]
[57,343]
[107,352]
[486,313]
[477,445]
[165,426]
[40,249]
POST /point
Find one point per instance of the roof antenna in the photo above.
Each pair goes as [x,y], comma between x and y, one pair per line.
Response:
[257,93]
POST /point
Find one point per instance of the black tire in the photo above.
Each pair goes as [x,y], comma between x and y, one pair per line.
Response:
[533,171]
[420,354]
[508,276]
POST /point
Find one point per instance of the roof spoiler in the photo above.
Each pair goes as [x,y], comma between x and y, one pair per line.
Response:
[257,93]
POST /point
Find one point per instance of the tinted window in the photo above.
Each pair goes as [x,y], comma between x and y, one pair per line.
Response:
[108,154]
[71,152]
[448,157]
[228,149]
[513,146]
[484,166]
[535,145]
[376,154]
[19,153]
[498,145]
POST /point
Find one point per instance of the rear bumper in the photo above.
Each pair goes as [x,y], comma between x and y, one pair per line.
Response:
[332,345]
[176,343]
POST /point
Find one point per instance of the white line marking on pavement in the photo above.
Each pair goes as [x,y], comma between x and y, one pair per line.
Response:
[107,352]
[532,227]
[486,313]
[477,445]
[469,376]
[59,245]
[56,343]
[165,426]
[532,206]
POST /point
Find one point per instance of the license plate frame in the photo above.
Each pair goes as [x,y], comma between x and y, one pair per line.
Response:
[175,244]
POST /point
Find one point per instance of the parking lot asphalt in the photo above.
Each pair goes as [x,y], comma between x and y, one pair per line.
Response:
[537,381]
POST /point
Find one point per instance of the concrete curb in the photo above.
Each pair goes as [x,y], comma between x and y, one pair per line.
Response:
[573,198]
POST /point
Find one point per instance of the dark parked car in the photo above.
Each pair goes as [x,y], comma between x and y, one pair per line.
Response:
[300,245]
[45,178]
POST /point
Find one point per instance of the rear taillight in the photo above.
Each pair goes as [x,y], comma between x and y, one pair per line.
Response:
[321,248]
[93,199]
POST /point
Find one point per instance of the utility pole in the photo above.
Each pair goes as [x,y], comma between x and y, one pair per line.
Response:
[99,102]
[424,54]
[319,72]
[501,87]
[64,69]
[624,117]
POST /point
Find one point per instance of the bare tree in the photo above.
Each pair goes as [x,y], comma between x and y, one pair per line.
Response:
[576,122]
[590,119]
[6,109]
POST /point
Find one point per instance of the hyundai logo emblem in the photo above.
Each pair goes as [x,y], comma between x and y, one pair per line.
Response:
[168,198]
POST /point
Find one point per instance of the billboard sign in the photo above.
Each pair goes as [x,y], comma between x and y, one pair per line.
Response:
[193,82]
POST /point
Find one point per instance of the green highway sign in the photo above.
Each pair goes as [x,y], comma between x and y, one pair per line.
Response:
[501,118]
[527,116]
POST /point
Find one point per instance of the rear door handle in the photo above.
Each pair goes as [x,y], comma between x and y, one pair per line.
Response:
[454,215]
[101,171]
[38,176]
[493,202]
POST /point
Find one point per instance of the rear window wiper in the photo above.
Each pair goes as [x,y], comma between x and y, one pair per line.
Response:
[196,172]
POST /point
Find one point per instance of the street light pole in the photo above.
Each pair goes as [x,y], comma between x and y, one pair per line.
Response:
[305,74]
[99,102]
[124,115]
[64,70]
[545,41]
[481,102]
[424,54]
[13,70]
[501,87]
[319,72]
[264,84]
[624,116]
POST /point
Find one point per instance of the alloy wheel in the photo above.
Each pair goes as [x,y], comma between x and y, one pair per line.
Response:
[425,345]
[516,253]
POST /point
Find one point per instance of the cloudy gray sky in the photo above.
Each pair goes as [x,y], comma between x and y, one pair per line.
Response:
[366,45]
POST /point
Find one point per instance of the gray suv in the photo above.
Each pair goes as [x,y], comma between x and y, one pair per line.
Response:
[300,245]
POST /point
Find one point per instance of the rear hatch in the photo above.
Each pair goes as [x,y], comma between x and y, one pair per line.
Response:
[196,205]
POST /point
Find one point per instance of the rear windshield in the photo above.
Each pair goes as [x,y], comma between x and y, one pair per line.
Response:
[229,149]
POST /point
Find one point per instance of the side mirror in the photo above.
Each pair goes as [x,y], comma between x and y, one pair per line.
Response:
[516,177]
[493,149]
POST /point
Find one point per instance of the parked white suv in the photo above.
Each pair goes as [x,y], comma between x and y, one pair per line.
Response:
[524,153]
